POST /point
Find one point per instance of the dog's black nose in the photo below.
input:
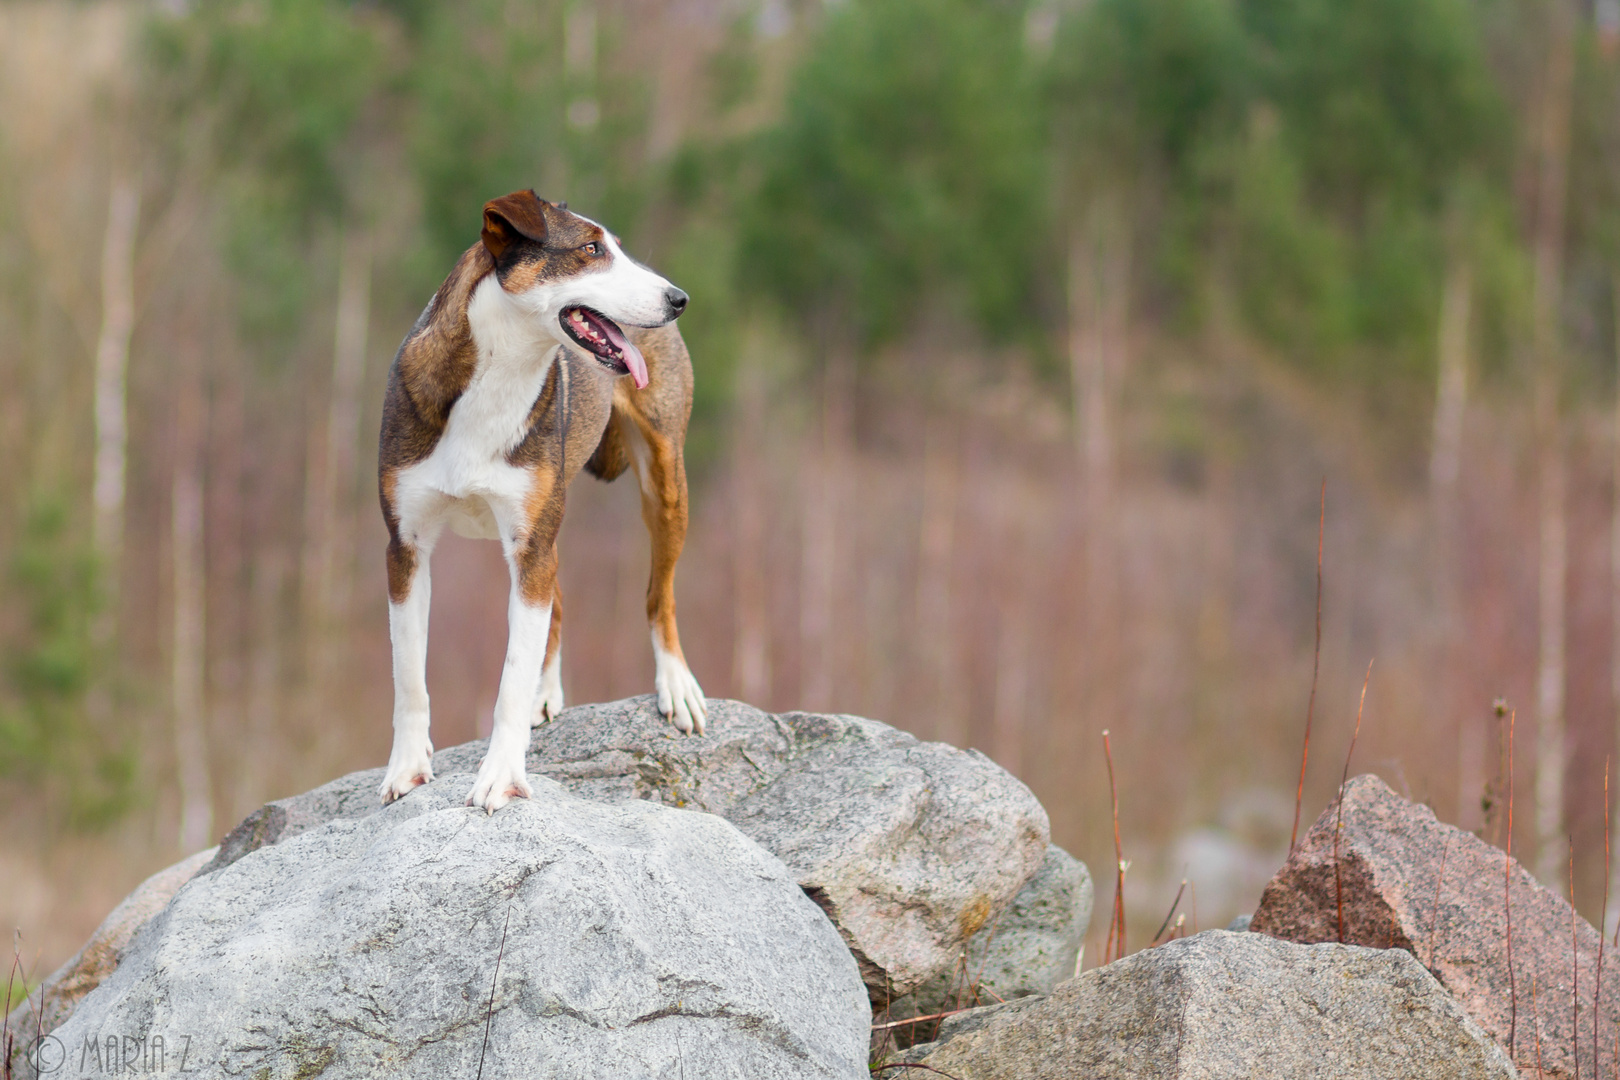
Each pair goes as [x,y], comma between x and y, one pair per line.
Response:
[676,299]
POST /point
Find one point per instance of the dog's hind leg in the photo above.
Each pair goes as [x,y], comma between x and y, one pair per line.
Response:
[660,468]
[410,763]
[549,705]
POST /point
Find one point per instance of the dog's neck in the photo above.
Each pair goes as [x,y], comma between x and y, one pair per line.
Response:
[509,335]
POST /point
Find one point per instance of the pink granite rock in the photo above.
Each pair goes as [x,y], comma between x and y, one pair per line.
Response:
[1410,882]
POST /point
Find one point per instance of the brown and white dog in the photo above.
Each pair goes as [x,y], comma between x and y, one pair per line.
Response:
[517,375]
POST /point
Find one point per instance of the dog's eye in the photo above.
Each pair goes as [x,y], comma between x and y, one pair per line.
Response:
[593,248]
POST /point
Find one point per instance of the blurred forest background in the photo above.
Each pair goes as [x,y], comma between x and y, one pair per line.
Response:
[1026,332]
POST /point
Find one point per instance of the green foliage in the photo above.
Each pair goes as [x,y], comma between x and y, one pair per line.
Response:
[907,162]
[1384,108]
[734,70]
[285,82]
[702,261]
[492,96]
[1290,270]
[1380,99]
[491,106]
[47,739]
[1141,86]
[1299,155]
[282,88]
[20,990]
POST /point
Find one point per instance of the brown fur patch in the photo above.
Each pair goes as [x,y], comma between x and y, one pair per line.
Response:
[534,242]
[554,635]
[537,558]
[520,214]
[401,556]
[431,371]
[611,456]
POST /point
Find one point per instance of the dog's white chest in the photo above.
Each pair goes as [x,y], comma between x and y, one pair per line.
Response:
[467,479]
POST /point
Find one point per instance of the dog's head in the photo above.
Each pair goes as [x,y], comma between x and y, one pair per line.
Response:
[573,275]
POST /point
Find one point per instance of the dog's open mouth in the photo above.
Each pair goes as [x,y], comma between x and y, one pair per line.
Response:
[601,337]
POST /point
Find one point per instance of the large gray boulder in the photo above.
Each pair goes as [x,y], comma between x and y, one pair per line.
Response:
[910,847]
[1219,1005]
[557,937]
[1026,950]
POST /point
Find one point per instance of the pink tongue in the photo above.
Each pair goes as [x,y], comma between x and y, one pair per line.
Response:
[632,355]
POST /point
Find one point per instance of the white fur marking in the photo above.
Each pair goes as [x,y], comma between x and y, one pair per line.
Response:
[680,698]
[410,762]
[503,773]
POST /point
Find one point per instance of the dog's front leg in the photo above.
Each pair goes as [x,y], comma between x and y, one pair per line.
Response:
[410,763]
[503,774]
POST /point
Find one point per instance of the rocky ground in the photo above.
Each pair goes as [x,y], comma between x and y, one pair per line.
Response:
[776,899]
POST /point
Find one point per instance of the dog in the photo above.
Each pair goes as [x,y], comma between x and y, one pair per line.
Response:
[546,350]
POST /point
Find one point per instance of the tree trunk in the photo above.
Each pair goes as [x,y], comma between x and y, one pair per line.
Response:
[343,421]
[819,552]
[1551,742]
[751,653]
[187,658]
[1445,466]
[1614,608]
[1013,640]
[112,367]
[1099,282]
[329,492]
[936,554]
[270,570]
[1451,396]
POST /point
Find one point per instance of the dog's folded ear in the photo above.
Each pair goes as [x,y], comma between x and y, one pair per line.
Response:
[520,214]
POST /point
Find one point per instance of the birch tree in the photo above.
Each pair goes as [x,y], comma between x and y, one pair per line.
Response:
[1552,130]
[188,653]
[112,378]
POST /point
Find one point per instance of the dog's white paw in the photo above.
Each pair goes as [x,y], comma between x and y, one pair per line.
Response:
[501,778]
[680,698]
[410,765]
[549,704]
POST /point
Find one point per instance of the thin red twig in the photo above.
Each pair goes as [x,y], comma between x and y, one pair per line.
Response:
[1603,921]
[1118,920]
[1574,968]
[1535,1019]
[921,1019]
[990,941]
[1338,824]
[1316,667]
[1169,914]
[1434,924]
[7,1043]
[1507,903]
[39,1020]
[911,1065]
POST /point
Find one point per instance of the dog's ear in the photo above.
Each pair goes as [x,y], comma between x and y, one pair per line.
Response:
[520,214]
